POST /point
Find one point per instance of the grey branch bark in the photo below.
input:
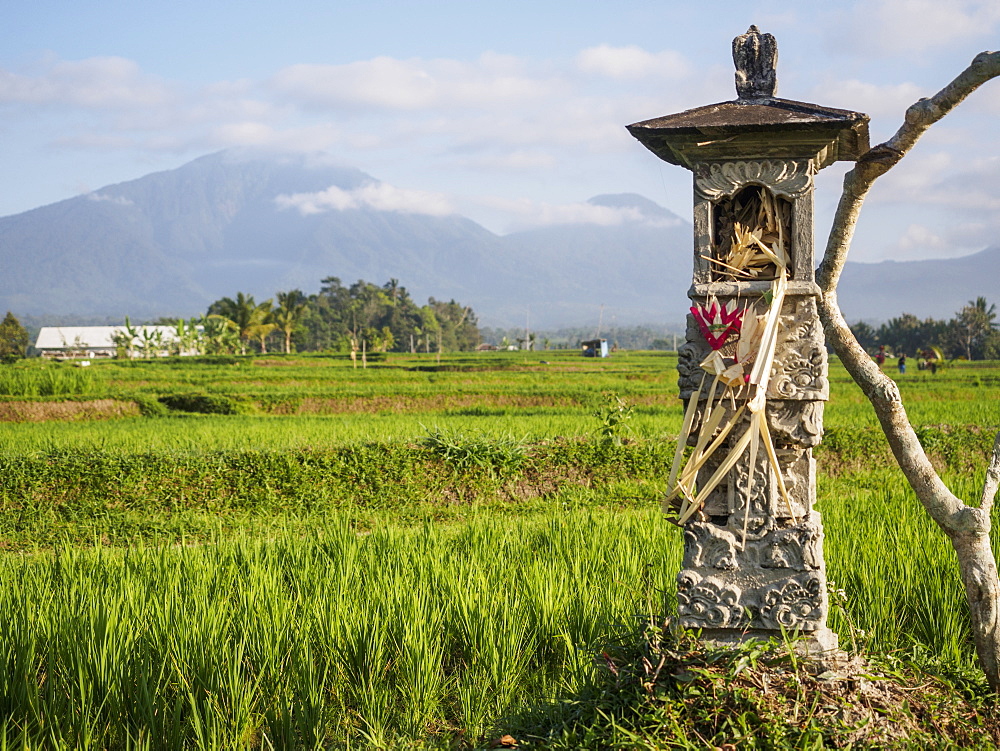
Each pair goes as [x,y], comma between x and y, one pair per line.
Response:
[966,526]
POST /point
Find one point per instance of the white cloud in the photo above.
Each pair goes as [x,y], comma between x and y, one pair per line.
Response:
[409,85]
[94,83]
[911,27]
[914,178]
[378,196]
[513,161]
[861,96]
[244,134]
[532,214]
[933,179]
[631,62]
[921,241]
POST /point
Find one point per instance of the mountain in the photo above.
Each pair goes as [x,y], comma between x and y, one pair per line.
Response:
[172,242]
[628,267]
[935,288]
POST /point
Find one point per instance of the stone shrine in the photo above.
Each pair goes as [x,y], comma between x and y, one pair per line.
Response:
[753,369]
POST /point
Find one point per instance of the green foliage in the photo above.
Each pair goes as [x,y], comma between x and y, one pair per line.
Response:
[614,417]
[150,407]
[244,316]
[386,625]
[667,688]
[361,318]
[972,334]
[959,448]
[332,640]
[383,319]
[288,315]
[82,492]
[498,456]
[205,404]
[13,339]
[973,329]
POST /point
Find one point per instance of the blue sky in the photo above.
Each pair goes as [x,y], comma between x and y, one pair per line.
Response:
[510,113]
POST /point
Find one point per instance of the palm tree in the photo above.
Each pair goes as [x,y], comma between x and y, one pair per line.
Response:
[246,317]
[151,340]
[186,338]
[262,330]
[217,338]
[287,315]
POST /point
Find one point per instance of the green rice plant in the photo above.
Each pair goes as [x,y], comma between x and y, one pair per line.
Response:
[389,639]
[45,383]
[264,618]
[900,582]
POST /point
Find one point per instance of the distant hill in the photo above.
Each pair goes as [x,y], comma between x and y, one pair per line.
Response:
[929,289]
[172,242]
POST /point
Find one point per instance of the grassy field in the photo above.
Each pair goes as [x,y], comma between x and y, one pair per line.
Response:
[294,552]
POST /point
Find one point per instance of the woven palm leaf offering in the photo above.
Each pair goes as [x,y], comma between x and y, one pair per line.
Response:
[751,227]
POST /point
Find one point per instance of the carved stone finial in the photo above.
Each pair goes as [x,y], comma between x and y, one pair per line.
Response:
[756,57]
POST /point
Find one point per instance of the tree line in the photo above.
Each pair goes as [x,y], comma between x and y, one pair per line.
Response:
[362,317]
[971,335]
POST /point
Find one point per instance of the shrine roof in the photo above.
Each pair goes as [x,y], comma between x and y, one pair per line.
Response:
[749,115]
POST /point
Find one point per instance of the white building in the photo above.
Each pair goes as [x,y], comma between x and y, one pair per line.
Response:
[88,342]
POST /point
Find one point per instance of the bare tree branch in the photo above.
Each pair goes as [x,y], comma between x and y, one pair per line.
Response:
[967,527]
[946,509]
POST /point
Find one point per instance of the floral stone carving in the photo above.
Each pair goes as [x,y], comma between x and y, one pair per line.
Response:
[775,580]
[790,179]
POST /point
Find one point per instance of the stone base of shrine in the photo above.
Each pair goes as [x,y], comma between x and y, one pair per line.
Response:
[822,644]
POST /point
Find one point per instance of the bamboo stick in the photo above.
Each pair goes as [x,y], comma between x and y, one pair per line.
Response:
[754,431]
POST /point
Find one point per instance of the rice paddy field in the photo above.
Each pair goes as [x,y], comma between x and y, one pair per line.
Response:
[293,552]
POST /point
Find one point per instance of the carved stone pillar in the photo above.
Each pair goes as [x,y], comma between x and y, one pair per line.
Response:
[753,555]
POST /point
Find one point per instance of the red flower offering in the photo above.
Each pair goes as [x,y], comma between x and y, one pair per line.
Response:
[717,322]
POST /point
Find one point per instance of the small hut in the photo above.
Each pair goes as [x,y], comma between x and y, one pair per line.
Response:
[595,348]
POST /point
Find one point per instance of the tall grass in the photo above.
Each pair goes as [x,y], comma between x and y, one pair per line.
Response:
[426,634]
[901,590]
[305,402]
[405,635]
[337,639]
[302,432]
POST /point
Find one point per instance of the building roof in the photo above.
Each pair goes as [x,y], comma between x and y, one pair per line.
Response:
[757,124]
[91,337]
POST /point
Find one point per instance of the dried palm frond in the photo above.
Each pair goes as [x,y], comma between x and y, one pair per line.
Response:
[751,232]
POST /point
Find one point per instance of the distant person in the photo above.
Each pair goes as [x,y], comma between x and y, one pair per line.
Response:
[902,364]
[880,357]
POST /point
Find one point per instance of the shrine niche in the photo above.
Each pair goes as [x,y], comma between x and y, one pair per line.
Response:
[753,368]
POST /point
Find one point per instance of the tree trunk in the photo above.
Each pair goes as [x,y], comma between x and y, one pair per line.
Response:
[978,568]
[967,526]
